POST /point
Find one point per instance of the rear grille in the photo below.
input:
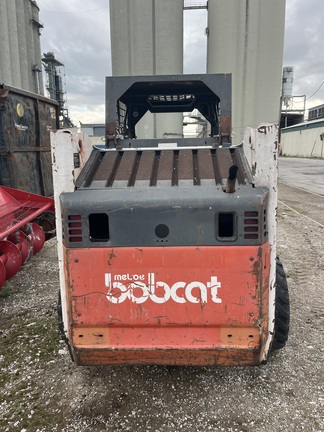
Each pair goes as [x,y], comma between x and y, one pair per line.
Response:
[265,231]
[74,229]
[251,225]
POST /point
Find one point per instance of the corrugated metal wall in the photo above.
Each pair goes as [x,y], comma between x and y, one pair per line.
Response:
[147,39]
[20,52]
[304,140]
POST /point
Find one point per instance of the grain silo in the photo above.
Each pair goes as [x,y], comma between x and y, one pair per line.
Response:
[20,53]
[287,84]
[147,39]
[245,38]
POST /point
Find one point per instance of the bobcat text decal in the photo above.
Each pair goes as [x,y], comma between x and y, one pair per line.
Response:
[138,288]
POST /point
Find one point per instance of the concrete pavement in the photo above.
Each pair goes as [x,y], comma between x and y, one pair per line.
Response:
[307,174]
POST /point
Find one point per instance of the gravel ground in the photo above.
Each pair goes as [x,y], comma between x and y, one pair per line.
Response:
[42,390]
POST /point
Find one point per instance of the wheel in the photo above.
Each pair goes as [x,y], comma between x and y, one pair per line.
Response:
[61,324]
[282,308]
[60,317]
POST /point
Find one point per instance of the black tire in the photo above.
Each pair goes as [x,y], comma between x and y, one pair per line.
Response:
[60,316]
[61,324]
[282,309]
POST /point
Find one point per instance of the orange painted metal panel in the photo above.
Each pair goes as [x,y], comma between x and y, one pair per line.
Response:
[174,357]
[161,337]
[175,299]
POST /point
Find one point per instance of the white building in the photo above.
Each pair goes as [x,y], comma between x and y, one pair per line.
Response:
[303,139]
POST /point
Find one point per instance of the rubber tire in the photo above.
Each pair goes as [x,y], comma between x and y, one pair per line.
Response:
[60,316]
[61,324]
[282,309]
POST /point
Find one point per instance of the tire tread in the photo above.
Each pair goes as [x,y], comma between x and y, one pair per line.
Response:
[282,308]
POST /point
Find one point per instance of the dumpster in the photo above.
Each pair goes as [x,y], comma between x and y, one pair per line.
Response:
[26,120]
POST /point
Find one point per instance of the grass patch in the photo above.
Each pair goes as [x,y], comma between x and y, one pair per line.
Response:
[4,293]
[298,209]
[7,292]
[31,400]
[35,340]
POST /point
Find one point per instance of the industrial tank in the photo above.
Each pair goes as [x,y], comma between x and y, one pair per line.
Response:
[20,52]
[245,38]
[287,84]
[147,39]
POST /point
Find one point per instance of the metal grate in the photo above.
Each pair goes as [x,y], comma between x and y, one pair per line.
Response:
[251,225]
[161,168]
[74,228]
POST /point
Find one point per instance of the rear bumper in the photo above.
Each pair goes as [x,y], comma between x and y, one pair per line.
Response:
[168,346]
[168,357]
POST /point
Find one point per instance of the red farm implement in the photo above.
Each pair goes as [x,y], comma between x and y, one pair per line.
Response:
[26,221]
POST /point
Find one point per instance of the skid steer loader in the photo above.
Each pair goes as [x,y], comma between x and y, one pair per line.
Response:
[167,246]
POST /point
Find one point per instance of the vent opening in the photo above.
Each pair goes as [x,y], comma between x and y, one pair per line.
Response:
[75,228]
[98,227]
[251,225]
[226,225]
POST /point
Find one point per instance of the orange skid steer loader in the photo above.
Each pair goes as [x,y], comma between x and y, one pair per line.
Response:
[167,246]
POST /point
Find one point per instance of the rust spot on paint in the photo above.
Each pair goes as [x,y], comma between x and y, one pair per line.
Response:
[111,255]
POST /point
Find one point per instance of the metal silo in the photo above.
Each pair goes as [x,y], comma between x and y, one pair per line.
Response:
[147,39]
[20,54]
[37,63]
[287,84]
[22,44]
[245,38]
[29,42]
[5,60]
[13,41]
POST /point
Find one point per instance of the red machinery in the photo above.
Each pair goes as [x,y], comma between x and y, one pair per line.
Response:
[26,220]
